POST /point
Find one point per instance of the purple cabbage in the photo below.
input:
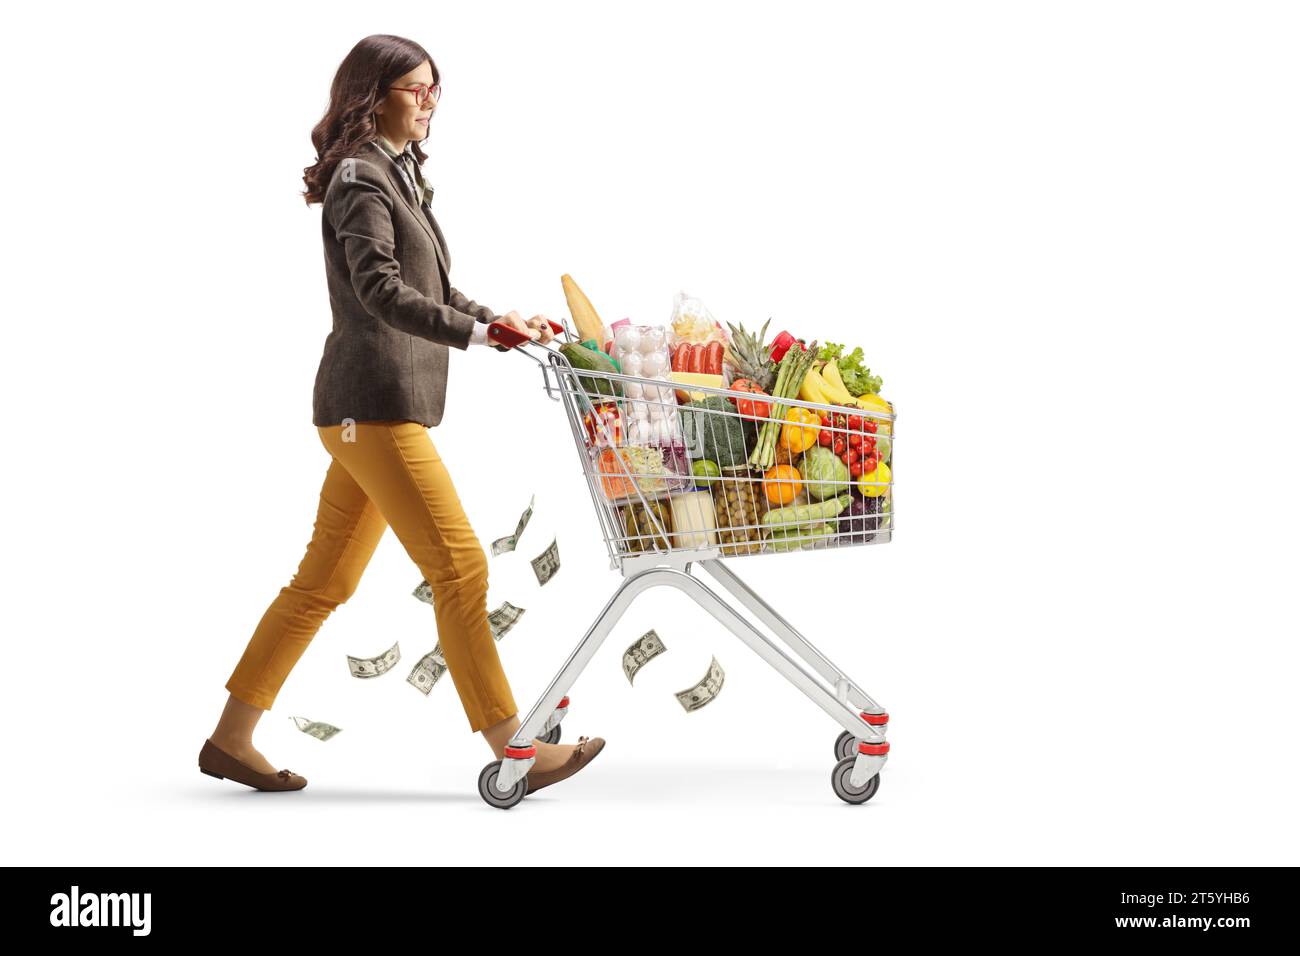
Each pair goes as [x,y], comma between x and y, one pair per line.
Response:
[860,519]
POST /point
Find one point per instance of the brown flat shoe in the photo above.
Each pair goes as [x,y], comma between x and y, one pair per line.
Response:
[583,754]
[215,762]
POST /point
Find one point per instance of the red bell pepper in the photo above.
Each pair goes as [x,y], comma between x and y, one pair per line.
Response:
[780,345]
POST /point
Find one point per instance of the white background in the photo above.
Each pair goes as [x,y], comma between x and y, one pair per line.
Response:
[1065,234]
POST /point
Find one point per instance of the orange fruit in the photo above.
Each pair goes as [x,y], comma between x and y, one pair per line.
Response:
[782,483]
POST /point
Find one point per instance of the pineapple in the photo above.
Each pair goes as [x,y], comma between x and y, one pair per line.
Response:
[749,357]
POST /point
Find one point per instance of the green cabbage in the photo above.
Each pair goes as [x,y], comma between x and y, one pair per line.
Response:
[824,474]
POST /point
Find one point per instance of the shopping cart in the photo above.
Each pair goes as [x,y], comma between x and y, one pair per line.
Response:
[661,515]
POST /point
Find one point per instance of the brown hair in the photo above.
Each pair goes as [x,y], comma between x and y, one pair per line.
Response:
[361,81]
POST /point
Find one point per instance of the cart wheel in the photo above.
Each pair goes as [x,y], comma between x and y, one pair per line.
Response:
[840,783]
[846,745]
[487,779]
[552,736]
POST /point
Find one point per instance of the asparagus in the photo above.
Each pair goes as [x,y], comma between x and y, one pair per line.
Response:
[790,374]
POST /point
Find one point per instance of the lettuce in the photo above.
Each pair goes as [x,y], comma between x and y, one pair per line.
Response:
[857,377]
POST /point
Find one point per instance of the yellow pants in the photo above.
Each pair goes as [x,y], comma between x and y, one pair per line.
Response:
[389,475]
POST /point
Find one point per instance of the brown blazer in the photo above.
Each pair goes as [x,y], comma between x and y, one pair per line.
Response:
[395,310]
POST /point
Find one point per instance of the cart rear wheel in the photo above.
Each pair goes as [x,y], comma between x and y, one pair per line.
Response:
[846,792]
[846,745]
[493,797]
[552,736]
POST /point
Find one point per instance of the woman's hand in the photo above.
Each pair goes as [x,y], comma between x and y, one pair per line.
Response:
[515,322]
[543,325]
[537,328]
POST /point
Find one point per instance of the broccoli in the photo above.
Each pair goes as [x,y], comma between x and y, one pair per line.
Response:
[723,436]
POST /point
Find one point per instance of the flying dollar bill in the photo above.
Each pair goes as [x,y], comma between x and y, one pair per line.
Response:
[374,666]
[426,673]
[647,647]
[424,591]
[547,563]
[315,728]
[504,618]
[705,691]
[433,665]
[511,541]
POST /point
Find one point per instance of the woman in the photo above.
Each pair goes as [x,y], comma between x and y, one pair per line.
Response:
[380,385]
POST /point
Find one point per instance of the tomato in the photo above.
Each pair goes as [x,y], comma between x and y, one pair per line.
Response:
[855,440]
[839,446]
[845,458]
[855,422]
[869,463]
[824,438]
[749,407]
[869,443]
[841,421]
[855,469]
[854,455]
[870,426]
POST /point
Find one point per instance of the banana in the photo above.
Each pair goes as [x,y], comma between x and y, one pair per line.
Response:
[875,403]
[834,384]
[831,372]
[811,389]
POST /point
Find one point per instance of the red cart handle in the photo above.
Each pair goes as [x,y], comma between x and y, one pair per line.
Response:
[508,335]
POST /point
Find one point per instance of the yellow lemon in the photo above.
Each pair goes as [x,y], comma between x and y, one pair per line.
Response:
[873,484]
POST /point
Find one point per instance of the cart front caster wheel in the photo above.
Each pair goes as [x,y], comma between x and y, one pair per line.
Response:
[493,797]
[843,790]
[846,745]
[552,736]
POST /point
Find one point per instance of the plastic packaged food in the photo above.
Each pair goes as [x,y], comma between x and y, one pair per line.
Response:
[650,409]
[694,521]
[650,469]
[604,425]
[693,322]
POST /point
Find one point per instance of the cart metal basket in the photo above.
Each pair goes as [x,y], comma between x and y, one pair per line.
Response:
[662,513]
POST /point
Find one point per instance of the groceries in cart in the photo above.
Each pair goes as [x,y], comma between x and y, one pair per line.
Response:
[699,440]
[693,443]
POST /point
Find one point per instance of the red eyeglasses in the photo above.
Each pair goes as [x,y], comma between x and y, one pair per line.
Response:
[422,92]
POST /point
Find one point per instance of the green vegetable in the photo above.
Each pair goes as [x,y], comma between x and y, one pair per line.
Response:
[824,474]
[799,538]
[857,377]
[807,514]
[583,358]
[790,373]
[714,430]
[595,347]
